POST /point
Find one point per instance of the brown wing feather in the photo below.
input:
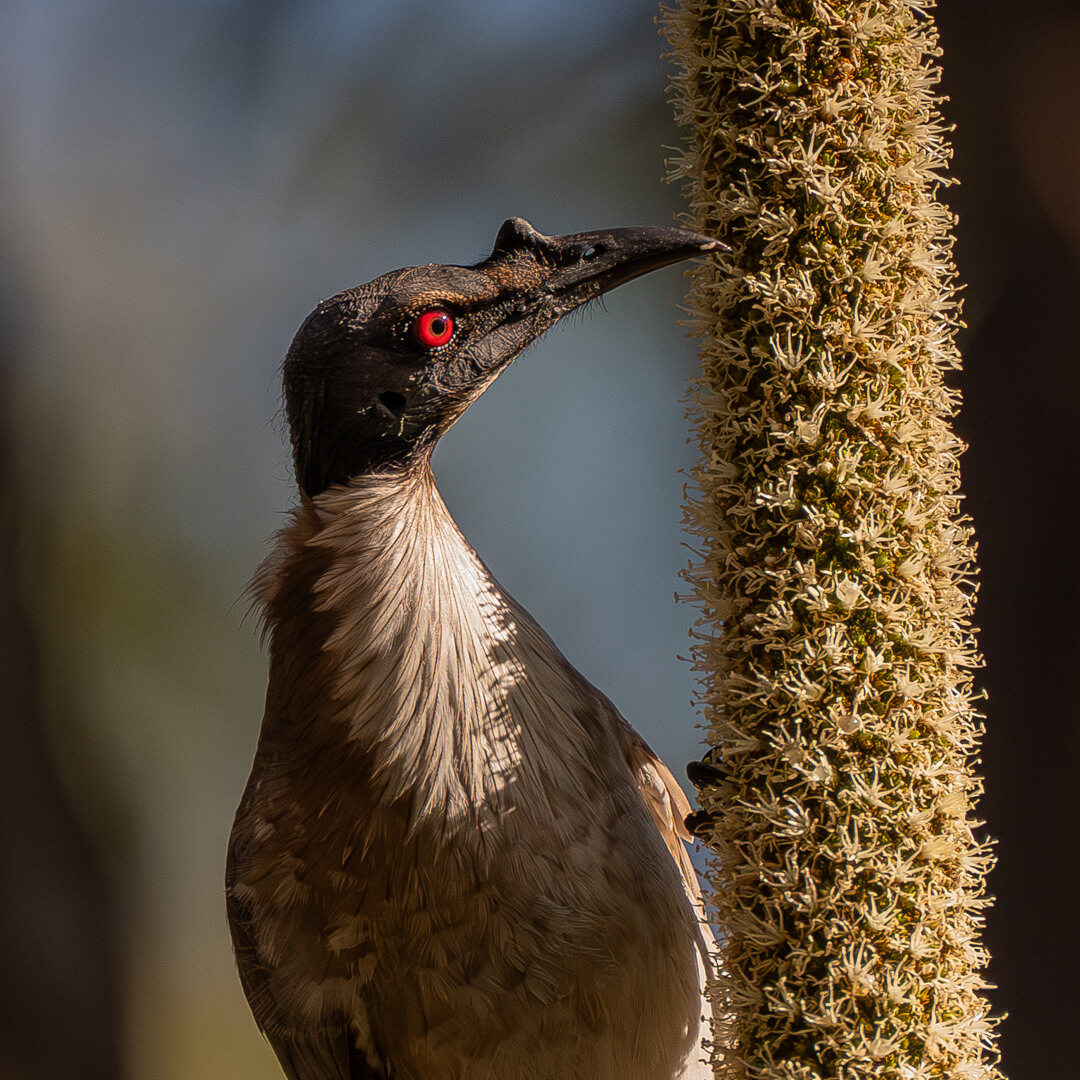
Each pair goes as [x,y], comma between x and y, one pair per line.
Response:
[668,807]
[666,803]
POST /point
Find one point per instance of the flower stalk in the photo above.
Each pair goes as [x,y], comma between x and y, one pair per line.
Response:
[834,583]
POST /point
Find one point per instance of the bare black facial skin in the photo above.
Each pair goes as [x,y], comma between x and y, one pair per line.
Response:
[378,373]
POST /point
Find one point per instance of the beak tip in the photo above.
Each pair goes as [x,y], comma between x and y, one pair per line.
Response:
[715,245]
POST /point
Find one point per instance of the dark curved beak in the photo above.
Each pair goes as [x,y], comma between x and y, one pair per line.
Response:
[578,267]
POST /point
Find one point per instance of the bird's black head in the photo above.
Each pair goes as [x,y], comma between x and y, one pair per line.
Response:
[376,374]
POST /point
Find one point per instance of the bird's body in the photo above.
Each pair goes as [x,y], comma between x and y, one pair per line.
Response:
[454,860]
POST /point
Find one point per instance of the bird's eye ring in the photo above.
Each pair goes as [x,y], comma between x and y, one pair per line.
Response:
[433,328]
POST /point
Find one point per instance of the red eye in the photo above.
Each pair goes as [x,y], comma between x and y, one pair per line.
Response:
[434,328]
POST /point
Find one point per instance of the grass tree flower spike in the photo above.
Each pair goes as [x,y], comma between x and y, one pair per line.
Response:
[834,582]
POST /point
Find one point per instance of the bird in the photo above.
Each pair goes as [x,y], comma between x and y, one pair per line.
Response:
[454,859]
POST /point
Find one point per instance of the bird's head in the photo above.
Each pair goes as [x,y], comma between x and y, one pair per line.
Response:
[378,373]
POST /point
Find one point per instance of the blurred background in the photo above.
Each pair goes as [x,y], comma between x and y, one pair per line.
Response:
[180,182]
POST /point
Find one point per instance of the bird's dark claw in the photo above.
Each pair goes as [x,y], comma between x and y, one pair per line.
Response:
[706,771]
[700,824]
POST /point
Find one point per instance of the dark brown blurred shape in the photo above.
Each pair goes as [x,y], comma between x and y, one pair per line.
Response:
[1013,76]
[58,967]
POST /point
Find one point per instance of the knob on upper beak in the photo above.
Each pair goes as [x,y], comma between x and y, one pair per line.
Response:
[577,267]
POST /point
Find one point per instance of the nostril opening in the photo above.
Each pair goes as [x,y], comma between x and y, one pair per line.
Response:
[589,253]
[393,402]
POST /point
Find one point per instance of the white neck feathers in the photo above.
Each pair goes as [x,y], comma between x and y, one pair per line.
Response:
[423,662]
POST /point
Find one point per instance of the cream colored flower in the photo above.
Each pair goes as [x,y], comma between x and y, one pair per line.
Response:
[848,884]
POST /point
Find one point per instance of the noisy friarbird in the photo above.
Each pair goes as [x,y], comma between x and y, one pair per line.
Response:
[454,859]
